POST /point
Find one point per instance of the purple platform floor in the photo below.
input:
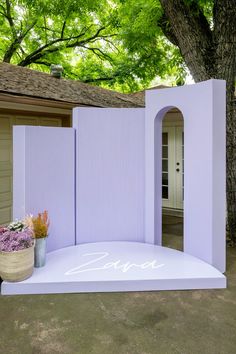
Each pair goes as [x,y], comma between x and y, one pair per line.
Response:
[117,266]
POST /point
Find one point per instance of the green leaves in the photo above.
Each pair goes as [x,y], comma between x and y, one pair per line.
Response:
[114,43]
[40,28]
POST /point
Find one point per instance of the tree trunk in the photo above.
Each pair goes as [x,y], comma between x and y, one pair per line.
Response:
[225,38]
[231,170]
[210,53]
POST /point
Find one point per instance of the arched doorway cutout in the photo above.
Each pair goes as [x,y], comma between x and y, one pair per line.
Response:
[172,179]
[203,108]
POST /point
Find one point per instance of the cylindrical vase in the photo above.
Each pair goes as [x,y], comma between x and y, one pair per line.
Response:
[40,252]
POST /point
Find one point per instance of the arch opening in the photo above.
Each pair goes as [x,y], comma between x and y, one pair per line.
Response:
[169,175]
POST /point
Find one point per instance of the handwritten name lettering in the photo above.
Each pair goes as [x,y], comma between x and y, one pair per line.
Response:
[96,257]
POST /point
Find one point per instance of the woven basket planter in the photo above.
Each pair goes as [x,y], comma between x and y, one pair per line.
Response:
[17,265]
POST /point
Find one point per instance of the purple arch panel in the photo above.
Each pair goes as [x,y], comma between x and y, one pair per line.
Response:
[203,109]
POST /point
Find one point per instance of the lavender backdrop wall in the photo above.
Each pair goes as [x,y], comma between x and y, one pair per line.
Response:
[110,174]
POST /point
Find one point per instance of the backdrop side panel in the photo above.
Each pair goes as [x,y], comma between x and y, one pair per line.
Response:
[50,181]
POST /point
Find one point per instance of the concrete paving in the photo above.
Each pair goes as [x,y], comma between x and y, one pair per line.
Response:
[169,322]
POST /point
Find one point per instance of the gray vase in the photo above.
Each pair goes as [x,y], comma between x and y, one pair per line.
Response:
[40,252]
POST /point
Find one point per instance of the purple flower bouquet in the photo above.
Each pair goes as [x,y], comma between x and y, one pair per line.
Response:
[15,240]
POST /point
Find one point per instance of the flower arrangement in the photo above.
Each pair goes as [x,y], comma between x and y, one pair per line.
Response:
[16,240]
[16,236]
[41,225]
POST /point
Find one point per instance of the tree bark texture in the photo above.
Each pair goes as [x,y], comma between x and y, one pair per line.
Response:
[210,52]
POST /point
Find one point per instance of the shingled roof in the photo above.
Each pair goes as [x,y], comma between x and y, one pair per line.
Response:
[21,81]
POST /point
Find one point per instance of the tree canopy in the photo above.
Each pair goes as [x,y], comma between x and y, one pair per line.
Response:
[38,33]
[122,44]
[111,43]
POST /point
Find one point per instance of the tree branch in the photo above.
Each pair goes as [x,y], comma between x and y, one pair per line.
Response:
[42,62]
[3,14]
[16,43]
[9,17]
[63,29]
[98,52]
[28,29]
[89,39]
[65,43]
[99,79]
